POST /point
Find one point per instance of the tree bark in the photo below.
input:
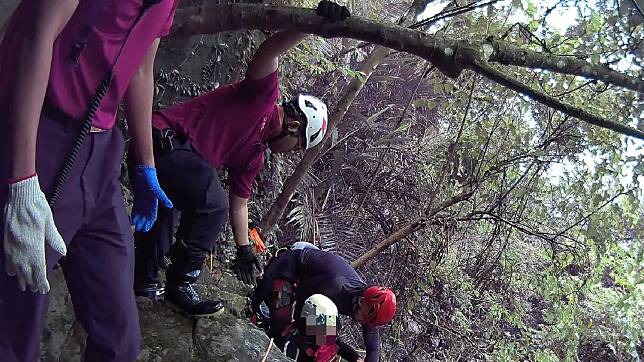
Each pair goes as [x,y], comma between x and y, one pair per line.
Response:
[450,56]
[398,235]
[509,54]
[409,228]
[455,54]
[490,72]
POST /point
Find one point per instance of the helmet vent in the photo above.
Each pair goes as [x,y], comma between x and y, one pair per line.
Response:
[314,136]
[309,104]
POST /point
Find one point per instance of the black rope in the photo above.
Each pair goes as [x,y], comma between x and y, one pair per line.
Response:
[86,124]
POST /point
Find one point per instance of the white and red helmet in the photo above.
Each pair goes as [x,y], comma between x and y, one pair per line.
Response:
[316,114]
[319,320]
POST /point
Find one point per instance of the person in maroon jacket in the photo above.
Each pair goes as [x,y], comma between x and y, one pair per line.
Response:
[66,65]
[230,127]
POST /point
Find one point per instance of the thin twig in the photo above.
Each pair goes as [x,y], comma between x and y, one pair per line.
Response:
[452,151]
[426,72]
[440,16]
[503,79]
[594,212]
[270,344]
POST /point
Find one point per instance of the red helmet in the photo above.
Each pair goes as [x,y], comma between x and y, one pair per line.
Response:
[378,306]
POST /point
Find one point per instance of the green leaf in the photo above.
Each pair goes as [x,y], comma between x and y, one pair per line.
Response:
[420,102]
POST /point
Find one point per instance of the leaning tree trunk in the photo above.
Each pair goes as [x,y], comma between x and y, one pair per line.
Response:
[290,186]
[408,229]
[350,91]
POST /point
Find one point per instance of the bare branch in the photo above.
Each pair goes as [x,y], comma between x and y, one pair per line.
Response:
[411,227]
[509,54]
[490,72]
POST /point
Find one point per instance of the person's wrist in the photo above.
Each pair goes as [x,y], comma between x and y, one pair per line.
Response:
[147,161]
[243,242]
[14,180]
[144,167]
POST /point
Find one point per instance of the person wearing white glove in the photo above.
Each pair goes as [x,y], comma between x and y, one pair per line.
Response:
[54,57]
[29,221]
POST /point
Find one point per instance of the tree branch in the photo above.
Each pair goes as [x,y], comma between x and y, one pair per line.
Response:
[411,227]
[490,72]
[448,55]
[509,54]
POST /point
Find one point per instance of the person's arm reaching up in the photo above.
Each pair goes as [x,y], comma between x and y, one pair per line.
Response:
[265,60]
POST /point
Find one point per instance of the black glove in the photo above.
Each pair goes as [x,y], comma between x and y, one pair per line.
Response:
[332,11]
[245,264]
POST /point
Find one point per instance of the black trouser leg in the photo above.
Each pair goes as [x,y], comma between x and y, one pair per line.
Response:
[195,189]
[152,247]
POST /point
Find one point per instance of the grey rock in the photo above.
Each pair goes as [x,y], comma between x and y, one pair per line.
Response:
[167,335]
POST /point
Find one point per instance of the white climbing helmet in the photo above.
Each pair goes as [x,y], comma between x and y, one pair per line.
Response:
[316,115]
[320,315]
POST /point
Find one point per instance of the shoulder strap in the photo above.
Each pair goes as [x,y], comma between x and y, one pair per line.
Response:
[92,17]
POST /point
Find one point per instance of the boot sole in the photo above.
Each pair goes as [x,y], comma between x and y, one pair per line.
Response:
[185,313]
[149,295]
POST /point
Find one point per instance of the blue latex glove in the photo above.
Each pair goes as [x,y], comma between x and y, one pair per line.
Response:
[147,193]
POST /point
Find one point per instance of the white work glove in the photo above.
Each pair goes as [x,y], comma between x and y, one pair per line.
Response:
[29,224]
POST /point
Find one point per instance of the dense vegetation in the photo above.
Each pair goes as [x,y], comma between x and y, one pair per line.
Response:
[527,242]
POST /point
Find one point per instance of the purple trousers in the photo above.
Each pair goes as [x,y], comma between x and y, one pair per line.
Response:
[99,266]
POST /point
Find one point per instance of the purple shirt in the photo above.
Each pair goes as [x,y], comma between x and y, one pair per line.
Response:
[72,87]
[229,126]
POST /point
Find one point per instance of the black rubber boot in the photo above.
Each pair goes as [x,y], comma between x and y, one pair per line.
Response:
[147,283]
[150,289]
[185,298]
[180,293]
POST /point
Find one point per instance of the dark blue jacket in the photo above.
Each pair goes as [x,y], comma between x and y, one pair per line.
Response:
[319,272]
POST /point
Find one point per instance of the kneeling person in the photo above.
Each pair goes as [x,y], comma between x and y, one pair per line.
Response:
[294,275]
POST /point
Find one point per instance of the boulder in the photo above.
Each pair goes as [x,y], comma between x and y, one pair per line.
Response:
[167,335]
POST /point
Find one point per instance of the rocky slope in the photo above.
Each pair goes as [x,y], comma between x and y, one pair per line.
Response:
[167,336]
